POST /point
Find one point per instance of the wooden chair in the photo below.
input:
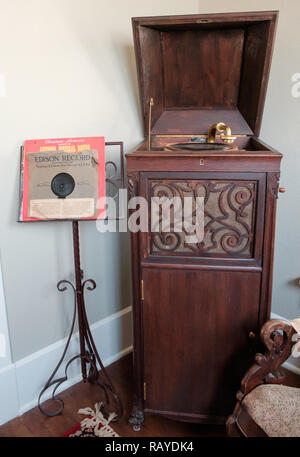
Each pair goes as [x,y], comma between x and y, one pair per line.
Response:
[264,406]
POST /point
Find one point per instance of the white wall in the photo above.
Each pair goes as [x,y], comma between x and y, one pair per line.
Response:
[9,401]
[70,71]
[5,352]
[280,129]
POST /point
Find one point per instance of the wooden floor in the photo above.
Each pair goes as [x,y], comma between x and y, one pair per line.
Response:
[81,395]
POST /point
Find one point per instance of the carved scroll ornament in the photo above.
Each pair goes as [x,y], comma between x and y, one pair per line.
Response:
[229,217]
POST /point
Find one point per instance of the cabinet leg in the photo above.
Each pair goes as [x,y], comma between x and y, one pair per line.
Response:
[136,428]
[137,418]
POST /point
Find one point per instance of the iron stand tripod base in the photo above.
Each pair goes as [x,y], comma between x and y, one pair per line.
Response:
[88,351]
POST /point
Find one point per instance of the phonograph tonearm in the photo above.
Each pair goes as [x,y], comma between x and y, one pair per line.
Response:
[200,143]
[209,143]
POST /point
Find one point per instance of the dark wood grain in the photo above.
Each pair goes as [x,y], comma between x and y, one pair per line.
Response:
[276,335]
[34,424]
[148,45]
[198,121]
[258,50]
[268,245]
[176,341]
[211,79]
[210,68]
[249,161]
[216,61]
[190,21]
[211,180]
[81,395]
[168,327]
[137,409]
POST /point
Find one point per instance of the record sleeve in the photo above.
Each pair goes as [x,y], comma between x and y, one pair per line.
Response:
[62,179]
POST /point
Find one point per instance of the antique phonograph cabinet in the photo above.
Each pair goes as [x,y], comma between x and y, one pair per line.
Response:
[198,308]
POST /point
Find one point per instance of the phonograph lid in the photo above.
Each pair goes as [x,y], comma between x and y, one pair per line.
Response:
[202,69]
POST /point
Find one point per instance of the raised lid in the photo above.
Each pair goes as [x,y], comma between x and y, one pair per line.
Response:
[202,69]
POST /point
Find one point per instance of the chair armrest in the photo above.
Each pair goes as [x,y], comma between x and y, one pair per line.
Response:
[276,335]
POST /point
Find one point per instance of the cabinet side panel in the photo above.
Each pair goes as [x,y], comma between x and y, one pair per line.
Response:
[133,188]
[269,241]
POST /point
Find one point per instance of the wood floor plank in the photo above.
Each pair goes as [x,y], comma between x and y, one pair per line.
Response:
[33,423]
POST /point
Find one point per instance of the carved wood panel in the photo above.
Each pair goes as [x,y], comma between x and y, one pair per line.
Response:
[229,218]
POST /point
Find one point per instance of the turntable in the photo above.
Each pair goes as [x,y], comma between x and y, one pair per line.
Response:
[208,144]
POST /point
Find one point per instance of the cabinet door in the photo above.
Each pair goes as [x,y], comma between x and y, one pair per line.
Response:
[196,339]
[233,217]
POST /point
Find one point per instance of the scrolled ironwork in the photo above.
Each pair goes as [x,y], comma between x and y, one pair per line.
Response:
[88,351]
[112,178]
[89,281]
[57,382]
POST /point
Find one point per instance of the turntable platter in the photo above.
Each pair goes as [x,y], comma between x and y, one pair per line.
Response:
[197,146]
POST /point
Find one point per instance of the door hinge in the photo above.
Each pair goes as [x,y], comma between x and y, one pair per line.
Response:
[145,391]
[142,289]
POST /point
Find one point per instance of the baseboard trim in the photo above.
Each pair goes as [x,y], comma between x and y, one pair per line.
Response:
[9,399]
[21,382]
[291,367]
[19,388]
[75,379]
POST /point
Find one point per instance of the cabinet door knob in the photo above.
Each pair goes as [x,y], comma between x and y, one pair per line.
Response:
[282,190]
[252,335]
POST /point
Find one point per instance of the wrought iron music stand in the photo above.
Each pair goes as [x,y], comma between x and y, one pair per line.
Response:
[88,351]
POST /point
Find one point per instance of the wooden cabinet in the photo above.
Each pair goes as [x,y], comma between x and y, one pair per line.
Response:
[198,306]
[196,338]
